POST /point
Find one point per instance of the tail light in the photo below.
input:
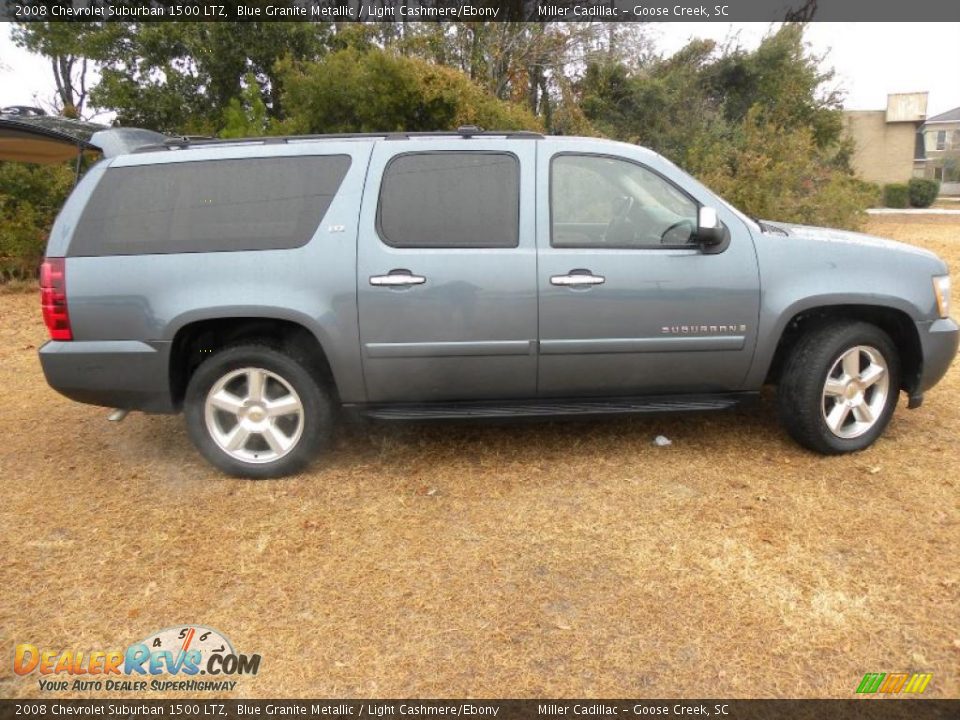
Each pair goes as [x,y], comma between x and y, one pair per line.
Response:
[53,298]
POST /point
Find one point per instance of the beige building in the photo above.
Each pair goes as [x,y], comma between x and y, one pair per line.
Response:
[886,141]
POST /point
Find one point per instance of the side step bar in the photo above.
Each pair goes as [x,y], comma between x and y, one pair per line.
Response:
[559,408]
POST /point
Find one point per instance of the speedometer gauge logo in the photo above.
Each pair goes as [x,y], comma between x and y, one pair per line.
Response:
[189,637]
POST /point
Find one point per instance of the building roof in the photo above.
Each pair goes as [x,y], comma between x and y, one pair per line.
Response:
[948,116]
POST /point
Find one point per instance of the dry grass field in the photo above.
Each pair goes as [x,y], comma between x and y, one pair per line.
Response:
[521,560]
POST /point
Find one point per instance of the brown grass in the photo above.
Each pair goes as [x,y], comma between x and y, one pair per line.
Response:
[523,560]
[17,287]
[947,203]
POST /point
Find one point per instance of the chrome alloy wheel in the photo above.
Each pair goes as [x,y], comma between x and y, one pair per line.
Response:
[855,392]
[254,415]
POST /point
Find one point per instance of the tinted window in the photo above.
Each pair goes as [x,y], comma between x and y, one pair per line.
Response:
[209,206]
[451,199]
[598,201]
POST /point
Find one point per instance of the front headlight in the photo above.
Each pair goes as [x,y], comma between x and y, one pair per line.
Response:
[941,288]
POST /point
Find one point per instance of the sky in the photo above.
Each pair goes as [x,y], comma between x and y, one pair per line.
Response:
[870,59]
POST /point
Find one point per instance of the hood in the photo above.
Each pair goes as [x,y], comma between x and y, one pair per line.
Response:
[828,236]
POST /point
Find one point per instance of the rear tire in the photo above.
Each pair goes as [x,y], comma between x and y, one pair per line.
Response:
[839,388]
[255,412]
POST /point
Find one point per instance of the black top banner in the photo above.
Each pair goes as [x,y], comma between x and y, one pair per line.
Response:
[484,10]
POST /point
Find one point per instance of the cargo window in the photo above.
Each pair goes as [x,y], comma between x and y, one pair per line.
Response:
[450,199]
[209,206]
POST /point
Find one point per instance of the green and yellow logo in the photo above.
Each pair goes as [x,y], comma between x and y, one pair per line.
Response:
[894,683]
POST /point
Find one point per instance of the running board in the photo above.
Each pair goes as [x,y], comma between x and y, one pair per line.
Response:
[552,408]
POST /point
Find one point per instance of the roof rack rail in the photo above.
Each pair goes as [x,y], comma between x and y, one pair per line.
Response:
[466,132]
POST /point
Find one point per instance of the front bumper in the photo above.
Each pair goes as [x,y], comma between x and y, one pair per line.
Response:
[124,374]
[938,341]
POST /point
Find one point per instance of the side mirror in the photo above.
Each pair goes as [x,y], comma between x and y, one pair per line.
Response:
[710,230]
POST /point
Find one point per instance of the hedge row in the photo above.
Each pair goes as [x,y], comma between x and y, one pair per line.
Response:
[918,193]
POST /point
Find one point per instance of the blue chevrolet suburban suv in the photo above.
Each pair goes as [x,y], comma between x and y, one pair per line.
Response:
[263,285]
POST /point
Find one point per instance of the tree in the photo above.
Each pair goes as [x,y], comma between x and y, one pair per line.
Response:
[182,77]
[30,197]
[763,127]
[780,174]
[534,63]
[662,105]
[784,80]
[246,116]
[71,49]
[376,91]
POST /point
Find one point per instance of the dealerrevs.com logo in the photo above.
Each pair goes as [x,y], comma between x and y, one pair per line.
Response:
[171,659]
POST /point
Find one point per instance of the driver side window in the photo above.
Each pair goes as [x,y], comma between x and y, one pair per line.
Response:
[598,201]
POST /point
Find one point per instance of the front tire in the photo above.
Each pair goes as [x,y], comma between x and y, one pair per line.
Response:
[256,412]
[839,387]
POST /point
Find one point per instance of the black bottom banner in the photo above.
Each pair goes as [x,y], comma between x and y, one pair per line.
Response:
[867,709]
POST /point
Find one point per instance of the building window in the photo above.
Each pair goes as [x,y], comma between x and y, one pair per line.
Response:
[941,139]
[938,173]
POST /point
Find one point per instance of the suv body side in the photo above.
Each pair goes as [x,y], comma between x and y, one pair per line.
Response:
[666,318]
[814,269]
[493,316]
[126,310]
[488,322]
[469,330]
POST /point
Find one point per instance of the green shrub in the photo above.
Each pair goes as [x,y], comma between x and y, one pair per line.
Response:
[775,173]
[923,192]
[377,91]
[896,195]
[872,191]
[30,198]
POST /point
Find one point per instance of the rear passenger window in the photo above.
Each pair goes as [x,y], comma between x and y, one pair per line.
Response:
[209,206]
[450,199]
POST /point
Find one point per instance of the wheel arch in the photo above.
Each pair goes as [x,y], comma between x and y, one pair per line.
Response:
[896,322]
[198,339]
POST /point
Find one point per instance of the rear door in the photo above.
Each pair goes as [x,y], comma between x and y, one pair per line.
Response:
[447,271]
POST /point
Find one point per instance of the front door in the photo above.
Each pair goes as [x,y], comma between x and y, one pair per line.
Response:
[447,271]
[629,303]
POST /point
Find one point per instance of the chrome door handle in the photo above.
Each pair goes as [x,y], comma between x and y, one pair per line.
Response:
[397,278]
[577,279]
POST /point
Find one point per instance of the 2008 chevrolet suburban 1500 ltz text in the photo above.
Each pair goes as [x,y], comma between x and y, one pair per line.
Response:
[263,285]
